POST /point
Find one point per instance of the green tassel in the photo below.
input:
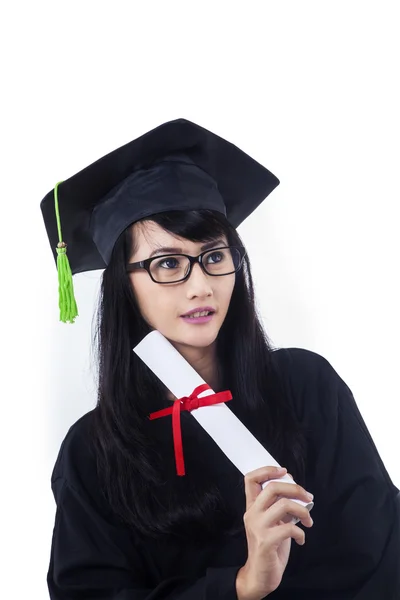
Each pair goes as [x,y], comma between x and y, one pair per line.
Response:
[66,298]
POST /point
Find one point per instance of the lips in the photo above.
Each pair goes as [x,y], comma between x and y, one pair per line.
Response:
[201,310]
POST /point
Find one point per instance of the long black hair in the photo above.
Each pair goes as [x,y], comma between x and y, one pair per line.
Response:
[135,456]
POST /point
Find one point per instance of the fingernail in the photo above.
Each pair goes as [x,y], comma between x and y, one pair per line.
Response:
[311,496]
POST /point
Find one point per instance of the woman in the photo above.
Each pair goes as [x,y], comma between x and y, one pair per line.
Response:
[159,214]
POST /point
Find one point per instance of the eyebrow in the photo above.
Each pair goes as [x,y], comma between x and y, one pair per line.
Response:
[172,250]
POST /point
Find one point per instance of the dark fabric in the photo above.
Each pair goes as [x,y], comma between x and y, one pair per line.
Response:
[176,166]
[169,185]
[351,553]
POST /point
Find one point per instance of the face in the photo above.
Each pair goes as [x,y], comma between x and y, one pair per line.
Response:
[163,306]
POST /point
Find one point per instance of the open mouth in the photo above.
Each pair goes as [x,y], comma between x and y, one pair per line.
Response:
[197,315]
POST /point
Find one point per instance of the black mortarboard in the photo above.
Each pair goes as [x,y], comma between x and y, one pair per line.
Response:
[176,166]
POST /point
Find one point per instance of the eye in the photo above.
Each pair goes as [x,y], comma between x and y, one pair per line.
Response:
[168,263]
[216,257]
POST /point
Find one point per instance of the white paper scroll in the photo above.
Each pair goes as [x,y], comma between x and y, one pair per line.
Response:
[234,439]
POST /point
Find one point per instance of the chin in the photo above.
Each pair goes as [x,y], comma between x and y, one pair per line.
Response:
[196,339]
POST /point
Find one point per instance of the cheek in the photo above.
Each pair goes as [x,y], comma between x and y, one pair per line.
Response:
[153,302]
[229,289]
[142,292]
[224,294]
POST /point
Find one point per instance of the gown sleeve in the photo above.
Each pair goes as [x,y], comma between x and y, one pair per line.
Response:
[353,550]
[93,559]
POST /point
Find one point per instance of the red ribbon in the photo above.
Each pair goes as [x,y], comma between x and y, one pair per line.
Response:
[188,403]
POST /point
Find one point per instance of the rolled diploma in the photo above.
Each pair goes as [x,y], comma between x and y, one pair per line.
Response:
[227,431]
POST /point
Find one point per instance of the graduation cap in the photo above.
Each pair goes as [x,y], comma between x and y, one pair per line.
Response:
[176,166]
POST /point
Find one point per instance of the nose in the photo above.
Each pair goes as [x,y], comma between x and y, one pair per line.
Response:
[198,284]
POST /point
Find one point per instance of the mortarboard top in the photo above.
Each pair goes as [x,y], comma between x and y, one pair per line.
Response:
[176,166]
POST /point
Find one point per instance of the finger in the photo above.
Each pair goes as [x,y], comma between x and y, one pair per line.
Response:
[284,508]
[283,532]
[253,481]
[276,490]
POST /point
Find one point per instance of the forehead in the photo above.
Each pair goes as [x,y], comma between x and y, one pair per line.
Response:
[149,236]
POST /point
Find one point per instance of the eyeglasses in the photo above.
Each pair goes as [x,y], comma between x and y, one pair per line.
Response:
[171,268]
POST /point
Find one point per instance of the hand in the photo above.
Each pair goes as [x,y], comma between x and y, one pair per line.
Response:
[269,531]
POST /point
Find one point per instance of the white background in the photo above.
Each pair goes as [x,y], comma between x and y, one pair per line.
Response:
[310,89]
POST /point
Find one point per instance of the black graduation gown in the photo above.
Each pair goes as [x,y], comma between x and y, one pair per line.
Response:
[351,552]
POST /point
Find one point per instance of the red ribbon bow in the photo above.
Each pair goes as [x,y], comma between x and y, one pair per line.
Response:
[188,403]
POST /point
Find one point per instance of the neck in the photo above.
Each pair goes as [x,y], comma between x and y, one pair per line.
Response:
[204,361]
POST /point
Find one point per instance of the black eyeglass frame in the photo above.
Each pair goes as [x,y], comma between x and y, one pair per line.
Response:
[145,264]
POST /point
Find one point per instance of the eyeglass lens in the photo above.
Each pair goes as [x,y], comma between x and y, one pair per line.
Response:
[175,267]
